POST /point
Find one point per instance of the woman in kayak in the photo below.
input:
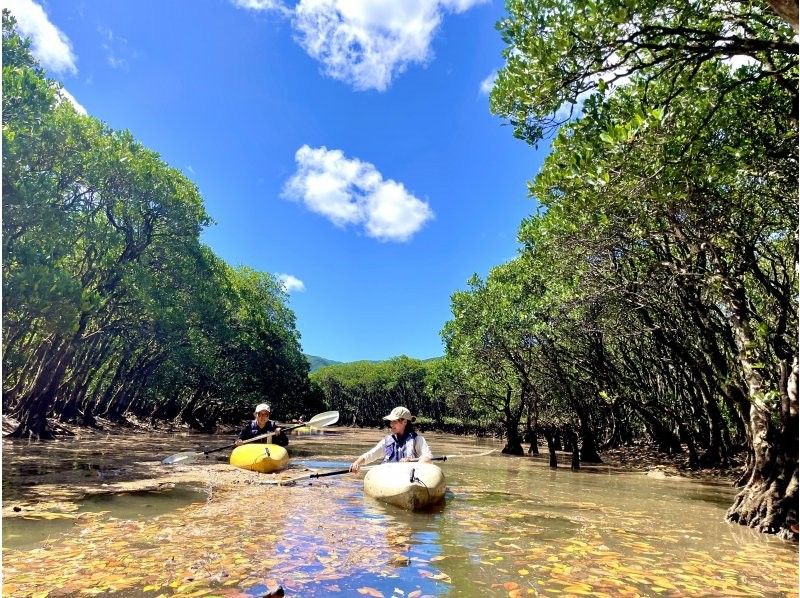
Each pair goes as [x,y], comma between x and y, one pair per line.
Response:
[403,444]
[262,424]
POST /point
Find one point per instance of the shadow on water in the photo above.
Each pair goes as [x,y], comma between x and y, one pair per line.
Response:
[26,531]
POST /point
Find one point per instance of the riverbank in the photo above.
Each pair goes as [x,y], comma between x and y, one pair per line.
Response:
[129,466]
[640,456]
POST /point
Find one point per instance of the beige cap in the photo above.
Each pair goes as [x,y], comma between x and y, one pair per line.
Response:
[262,407]
[400,413]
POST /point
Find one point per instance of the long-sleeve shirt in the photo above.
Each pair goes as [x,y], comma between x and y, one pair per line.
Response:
[251,430]
[420,449]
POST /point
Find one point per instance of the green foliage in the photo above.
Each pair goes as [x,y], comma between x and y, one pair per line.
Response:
[656,284]
[364,391]
[560,52]
[111,304]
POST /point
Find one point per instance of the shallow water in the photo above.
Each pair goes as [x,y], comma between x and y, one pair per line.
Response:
[32,530]
[509,526]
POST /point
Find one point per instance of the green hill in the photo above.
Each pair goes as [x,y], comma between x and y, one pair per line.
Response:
[319,362]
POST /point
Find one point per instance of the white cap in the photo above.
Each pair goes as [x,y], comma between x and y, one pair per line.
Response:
[400,413]
[263,407]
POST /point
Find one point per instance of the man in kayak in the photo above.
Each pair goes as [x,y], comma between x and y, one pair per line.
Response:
[262,424]
[403,444]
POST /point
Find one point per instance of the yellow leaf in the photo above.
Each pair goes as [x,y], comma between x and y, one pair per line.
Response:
[523,572]
[664,583]
[49,516]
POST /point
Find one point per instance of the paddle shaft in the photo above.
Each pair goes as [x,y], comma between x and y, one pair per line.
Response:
[320,420]
[254,438]
[342,471]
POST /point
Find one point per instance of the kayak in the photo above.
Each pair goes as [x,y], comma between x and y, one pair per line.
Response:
[410,486]
[303,430]
[264,458]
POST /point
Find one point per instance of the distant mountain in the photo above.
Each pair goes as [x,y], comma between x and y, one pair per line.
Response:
[319,362]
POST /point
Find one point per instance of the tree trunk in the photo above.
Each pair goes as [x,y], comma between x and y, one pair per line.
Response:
[514,442]
[571,440]
[665,439]
[768,502]
[33,409]
[588,453]
[43,353]
[550,435]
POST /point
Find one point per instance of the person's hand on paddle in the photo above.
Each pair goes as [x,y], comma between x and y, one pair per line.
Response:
[238,441]
[356,465]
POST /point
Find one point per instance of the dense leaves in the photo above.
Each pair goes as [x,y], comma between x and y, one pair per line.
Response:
[559,52]
[111,304]
[654,292]
[364,391]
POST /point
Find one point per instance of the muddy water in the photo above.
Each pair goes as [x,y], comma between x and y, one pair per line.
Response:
[508,527]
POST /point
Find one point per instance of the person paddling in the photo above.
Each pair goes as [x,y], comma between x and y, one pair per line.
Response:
[262,424]
[403,444]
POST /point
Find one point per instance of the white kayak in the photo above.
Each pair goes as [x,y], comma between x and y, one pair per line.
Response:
[408,485]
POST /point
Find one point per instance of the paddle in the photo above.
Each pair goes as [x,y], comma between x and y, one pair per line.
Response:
[325,474]
[341,471]
[321,420]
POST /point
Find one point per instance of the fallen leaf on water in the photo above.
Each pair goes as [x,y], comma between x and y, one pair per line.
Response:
[367,591]
[49,516]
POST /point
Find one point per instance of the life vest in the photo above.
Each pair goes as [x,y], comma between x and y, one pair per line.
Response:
[254,430]
[396,449]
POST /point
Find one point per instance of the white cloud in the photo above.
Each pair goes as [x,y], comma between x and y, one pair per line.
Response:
[365,43]
[488,83]
[351,192]
[291,283]
[258,4]
[48,44]
[114,46]
[71,99]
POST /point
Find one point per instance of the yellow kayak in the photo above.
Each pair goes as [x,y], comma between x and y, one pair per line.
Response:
[264,458]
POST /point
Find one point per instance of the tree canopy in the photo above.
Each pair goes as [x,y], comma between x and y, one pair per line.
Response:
[111,303]
[654,292]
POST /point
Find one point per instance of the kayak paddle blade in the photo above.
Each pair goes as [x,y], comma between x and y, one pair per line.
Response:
[180,458]
[322,420]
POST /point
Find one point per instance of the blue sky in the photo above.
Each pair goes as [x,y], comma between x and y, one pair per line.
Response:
[345,145]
